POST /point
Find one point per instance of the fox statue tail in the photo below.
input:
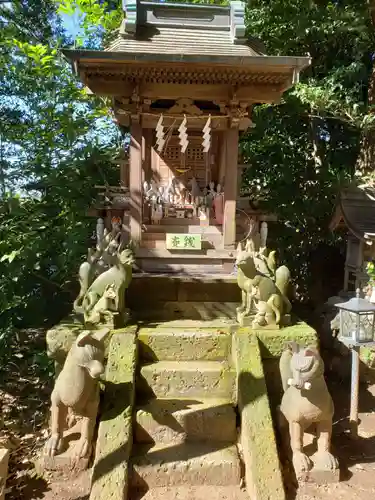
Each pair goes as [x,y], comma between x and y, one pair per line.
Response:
[283,280]
[276,304]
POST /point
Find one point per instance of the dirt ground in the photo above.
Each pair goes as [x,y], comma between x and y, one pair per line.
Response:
[25,385]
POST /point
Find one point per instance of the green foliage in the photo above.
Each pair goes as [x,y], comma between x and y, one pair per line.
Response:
[56,143]
[102,18]
[301,151]
[95,17]
[370,269]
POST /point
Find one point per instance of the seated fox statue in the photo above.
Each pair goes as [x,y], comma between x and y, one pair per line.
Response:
[264,286]
[102,291]
[306,401]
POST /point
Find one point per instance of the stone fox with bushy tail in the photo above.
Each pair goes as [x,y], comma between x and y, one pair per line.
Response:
[306,401]
[264,288]
[118,276]
[86,275]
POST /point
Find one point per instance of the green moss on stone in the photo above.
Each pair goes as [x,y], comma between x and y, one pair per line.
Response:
[110,470]
[127,330]
[60,338]
[262,468]
[272,342]
[183,344]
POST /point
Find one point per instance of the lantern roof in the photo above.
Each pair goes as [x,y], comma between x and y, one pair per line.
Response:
[357,305]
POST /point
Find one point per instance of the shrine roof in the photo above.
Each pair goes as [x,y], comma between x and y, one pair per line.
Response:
[172,28]
[356,209]
[184,41]
[162,32]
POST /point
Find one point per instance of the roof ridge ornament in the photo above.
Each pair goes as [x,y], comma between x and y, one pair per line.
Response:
[237,20]
[129,24]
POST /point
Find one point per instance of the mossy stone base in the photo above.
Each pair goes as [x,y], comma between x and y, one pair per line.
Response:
[61,337]
[184,344]
[262,468]
[273,342]
[114,444]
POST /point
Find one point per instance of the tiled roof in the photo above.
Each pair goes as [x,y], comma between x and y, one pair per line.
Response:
[168,40]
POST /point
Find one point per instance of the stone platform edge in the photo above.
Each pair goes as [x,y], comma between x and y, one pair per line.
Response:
[115,439]
[273,342]
[262,467]
[60,338]
[252,351]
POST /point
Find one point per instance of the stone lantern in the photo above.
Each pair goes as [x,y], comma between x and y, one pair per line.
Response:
[357,321]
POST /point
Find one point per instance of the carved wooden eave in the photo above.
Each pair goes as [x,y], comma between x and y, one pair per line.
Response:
[228,117]
[259,79]
[254,78]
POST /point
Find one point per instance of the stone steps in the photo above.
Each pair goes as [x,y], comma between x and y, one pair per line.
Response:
[206,261]
[203,311]
[193,493]
[189,379]
[147,290]
[191,464]
[185,433]
[178,420]
[181,265]
[185,344]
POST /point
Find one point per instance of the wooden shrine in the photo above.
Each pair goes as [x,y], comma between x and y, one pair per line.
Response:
[355,214]
[184,79]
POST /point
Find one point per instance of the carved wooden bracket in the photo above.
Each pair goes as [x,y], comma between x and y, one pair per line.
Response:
[133,107]
[185,107]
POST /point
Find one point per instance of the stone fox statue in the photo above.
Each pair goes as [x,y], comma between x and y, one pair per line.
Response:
[103,306]
[119,276]
[264,288]
[86,275]
[306,401]
[77,390]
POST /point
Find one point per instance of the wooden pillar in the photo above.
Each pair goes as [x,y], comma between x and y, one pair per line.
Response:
[124,172]
[230,188]
[135,182]
[223,157]
[147,141]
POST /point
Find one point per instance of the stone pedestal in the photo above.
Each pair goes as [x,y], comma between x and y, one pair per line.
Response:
[322,476]
[64,463]
[244,320]
[249,321]
[4,459]
[319,476]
